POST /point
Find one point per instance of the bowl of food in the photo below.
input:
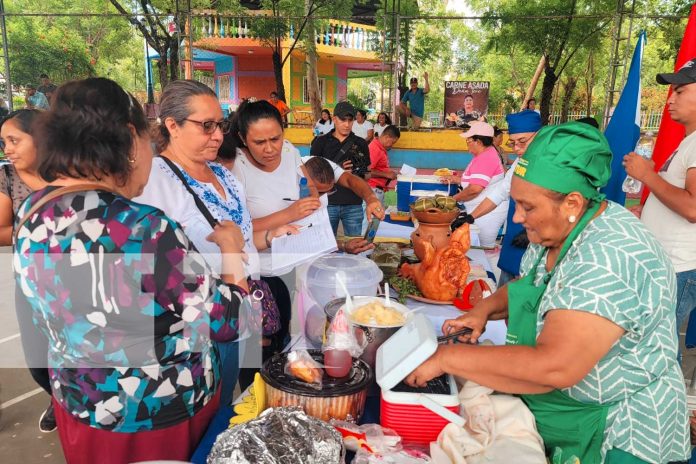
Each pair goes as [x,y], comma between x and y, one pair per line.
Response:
[402,216]
[440,209]
[373,322]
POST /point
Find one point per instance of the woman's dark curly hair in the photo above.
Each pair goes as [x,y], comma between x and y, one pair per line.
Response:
[87,133]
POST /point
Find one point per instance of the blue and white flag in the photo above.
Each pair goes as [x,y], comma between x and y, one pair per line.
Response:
[623,130]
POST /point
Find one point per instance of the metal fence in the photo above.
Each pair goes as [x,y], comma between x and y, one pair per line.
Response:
[649,120]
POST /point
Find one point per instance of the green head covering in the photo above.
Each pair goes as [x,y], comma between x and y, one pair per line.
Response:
[570,157]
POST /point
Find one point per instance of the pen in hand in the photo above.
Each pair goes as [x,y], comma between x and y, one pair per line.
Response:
[301,228]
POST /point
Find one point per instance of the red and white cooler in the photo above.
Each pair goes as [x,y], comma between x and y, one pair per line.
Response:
[417,417]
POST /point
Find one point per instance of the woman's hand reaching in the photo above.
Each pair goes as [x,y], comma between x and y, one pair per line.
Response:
[475,320]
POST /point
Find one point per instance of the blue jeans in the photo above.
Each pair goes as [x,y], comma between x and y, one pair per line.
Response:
[686,295]
[350,215]
[230,353]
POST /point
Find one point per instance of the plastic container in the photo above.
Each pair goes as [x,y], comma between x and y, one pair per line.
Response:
[340,399]
[361,276]
[644,148]
[417,417]
[304,188]
[410,188]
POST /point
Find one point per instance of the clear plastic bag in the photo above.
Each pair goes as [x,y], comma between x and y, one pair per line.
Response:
[404,456]
[341,346]
[301,366]
[373,438]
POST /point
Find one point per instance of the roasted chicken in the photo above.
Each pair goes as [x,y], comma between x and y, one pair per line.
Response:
[442,273]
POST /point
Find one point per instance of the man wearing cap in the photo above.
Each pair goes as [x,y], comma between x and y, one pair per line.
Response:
[591,346]
[352,153]
[670,210]
[35,99]
[482,175]
[522,128]
[415,97]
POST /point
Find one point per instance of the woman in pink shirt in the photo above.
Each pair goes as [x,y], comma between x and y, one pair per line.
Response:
[484,171]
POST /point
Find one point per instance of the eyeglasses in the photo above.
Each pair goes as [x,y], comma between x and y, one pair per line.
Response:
[518,143]
[328,192]
[209,127]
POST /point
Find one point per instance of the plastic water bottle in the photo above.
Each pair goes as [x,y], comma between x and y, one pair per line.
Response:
[644,148]
[304,188]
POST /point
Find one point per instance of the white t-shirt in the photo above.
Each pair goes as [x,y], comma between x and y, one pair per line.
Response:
[361,130]
[324,128]
[500,192]
[378,129]
[675,233]
[165,191]
[265,191]
[270,192]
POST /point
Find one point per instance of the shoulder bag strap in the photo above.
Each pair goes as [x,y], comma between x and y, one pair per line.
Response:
[347,145]
[55,194]
[199,203]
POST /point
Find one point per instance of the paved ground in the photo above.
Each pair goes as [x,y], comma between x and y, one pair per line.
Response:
[21,401]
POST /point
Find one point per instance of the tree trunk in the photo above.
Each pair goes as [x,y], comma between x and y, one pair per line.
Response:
[568,91]
[589,84]
[162,69]
[312,72]
[278,74]
[547,87]
[174,69]
[535,80]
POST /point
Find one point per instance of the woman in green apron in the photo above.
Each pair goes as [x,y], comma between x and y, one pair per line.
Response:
[591,344]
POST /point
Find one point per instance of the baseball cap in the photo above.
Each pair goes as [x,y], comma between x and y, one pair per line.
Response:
[344,109]
[414,79]
[685,75]
[478,128]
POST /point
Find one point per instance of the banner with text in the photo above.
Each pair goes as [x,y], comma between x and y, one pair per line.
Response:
[465,101]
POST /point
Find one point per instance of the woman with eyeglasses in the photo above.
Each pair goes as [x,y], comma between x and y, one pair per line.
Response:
[128,305]
[190,187]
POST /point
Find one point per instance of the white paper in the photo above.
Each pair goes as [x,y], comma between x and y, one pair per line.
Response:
[407,170]
[291,250]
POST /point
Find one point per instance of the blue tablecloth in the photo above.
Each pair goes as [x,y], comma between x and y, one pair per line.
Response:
[221,422]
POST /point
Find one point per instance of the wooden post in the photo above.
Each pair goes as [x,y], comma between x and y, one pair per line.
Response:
[535,80]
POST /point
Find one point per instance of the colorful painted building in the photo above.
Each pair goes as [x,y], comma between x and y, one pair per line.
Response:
[239,66]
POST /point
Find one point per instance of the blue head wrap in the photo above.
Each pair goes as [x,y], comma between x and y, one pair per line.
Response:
[524,121]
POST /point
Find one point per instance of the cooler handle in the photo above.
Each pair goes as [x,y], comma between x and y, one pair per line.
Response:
[441,410]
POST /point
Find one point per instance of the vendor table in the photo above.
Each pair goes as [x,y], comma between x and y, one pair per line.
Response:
[437,314]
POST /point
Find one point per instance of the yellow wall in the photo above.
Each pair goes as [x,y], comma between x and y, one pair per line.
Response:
[447,140]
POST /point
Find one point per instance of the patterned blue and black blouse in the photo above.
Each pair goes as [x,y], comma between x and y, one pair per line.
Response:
[129,308]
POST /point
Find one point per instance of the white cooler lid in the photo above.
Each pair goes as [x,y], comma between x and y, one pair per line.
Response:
[407,349]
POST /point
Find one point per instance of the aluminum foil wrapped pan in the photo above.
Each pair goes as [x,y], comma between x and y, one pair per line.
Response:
[279,436]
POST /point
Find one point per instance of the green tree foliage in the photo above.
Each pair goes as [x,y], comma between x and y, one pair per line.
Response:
[153,18]
[558,40]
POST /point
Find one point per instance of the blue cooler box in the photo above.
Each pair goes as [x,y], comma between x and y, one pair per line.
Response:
[410,188]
